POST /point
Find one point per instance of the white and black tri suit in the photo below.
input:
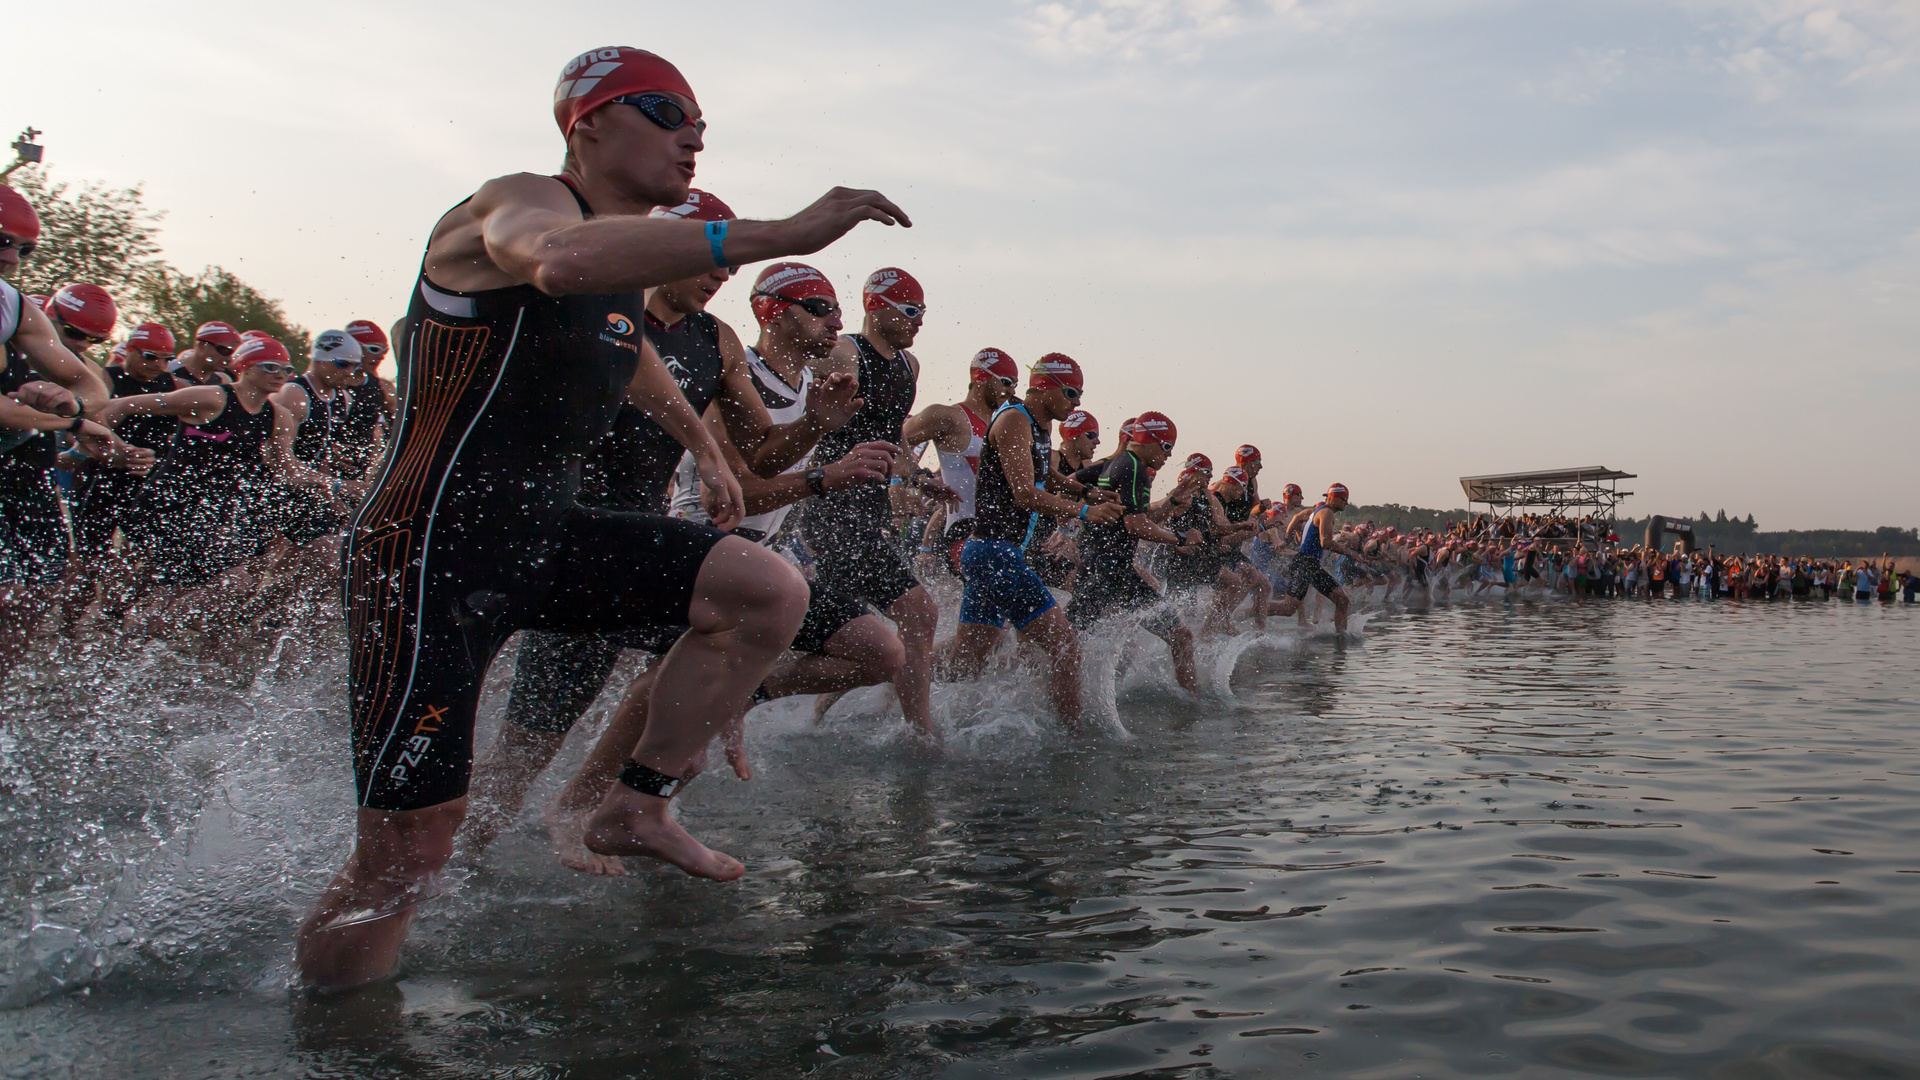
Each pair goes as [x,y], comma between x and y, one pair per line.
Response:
[33,534]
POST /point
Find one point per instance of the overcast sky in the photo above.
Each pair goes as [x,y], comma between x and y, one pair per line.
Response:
[1392,243]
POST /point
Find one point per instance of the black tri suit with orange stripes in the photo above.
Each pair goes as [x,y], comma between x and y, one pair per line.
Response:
[473,531]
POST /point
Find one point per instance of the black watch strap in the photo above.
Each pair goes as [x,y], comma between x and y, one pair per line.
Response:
[817,481]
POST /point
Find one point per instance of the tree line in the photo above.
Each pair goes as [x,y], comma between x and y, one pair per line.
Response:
[109,236]
[1723,533]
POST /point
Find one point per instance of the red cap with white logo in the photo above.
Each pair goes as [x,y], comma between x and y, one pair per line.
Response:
[891,286]
[151,337]
[86,307]
[1056,369]
[597,76]
[1154,427]
[700,206]
[991,363]
[781,283]
[1079,422]
[217,333]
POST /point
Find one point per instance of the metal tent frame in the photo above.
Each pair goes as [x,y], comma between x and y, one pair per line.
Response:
[1593,489]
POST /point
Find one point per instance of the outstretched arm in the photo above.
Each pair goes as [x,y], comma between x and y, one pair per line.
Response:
[40,343]
[533,232]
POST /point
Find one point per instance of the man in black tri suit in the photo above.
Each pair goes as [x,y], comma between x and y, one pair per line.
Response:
[851,532]
[522,338]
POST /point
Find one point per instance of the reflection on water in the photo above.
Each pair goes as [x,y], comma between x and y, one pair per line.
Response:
[1539,839]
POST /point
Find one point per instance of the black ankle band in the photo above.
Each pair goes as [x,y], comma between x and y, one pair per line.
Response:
[648,781]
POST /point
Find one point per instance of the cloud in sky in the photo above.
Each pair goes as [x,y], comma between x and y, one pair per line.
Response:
[1394,243]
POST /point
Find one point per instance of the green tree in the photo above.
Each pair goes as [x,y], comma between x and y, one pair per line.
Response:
[99,234]
[182,302]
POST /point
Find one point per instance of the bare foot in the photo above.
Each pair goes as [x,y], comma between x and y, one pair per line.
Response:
[567,831]
[629,823]
[822,703]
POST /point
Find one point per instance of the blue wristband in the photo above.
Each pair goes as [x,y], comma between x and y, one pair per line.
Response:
[1083,511]
[717,232]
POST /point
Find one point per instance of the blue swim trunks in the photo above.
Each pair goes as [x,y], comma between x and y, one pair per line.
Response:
[1001,587]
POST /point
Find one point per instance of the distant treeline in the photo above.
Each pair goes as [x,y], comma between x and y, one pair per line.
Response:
[1723,533]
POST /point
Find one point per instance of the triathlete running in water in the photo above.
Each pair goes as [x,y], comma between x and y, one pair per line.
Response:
[1318,536]
[958,433]
[523,337]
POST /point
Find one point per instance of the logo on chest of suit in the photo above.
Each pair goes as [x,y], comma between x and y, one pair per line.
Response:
[679,371]
[618,326]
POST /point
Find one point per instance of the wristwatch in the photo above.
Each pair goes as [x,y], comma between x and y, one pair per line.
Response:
[817,481]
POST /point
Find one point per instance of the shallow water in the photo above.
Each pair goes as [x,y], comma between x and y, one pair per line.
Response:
[1532,839]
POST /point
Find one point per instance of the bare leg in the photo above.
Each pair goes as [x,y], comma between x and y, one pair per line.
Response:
[1053,634]
[824,704]
[1179,641]
[1342,605]
[747,605]
[21,609]
[966,652]
[916,615]
[501,779]
[353,937]
[862,653]
[566,818]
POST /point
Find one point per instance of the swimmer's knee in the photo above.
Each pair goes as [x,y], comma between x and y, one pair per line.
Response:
[916,611]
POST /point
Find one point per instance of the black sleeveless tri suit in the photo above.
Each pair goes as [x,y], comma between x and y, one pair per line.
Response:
[850,532]
[473,529]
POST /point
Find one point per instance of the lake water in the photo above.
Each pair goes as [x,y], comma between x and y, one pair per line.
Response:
[1529,839]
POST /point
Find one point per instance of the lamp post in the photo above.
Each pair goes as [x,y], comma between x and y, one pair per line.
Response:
[25,151]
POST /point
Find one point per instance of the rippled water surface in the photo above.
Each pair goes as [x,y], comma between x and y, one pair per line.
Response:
[1534,839]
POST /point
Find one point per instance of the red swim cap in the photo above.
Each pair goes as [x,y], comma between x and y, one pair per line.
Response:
[1079,422]
[1055,369]
[1236,474]
[700,206]
[17,218]
[1247,453]
[38,300]
[891,283]
[151,337]
[217,333]
[1291,491]
[86,307]
[991,363]
[368,334]
[1200,463]
[118,355]
[1154,427]
[792,280]
[597,76]
[257,350]
[249,335]
[1337,491]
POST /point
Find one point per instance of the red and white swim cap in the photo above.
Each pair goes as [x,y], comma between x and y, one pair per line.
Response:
[1154,427]
[597,76]
[118,355]
[249,335]
[991,363]
[151,337]
[1200,463]
[791,280]
[1055,369]
[1237,474]
[257,350]
[372,339]
[217,333]
[700,206]
[17,218]
[1337,491]
[891,283]
[1079,422]
[86,307]
[1292,491]
[1247,453]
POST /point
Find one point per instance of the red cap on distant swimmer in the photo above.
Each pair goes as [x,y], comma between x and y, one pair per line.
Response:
[782,283]
[1156,427]
[1247,453]
[372,339]
[151,337]
[1237,474]
[1292,491]
[257,350]
[38,300]
[17,218]
[700,206]
[1079,422]
[891,283]
[118,355]
[597,76]
[86,307]
[1200,463]
[1337,491]
[217,333]
[991,363]
[1055,369]
[249,335]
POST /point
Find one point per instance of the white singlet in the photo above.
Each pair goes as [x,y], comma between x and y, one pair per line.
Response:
[10,311]
[785,404]
[959,471]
